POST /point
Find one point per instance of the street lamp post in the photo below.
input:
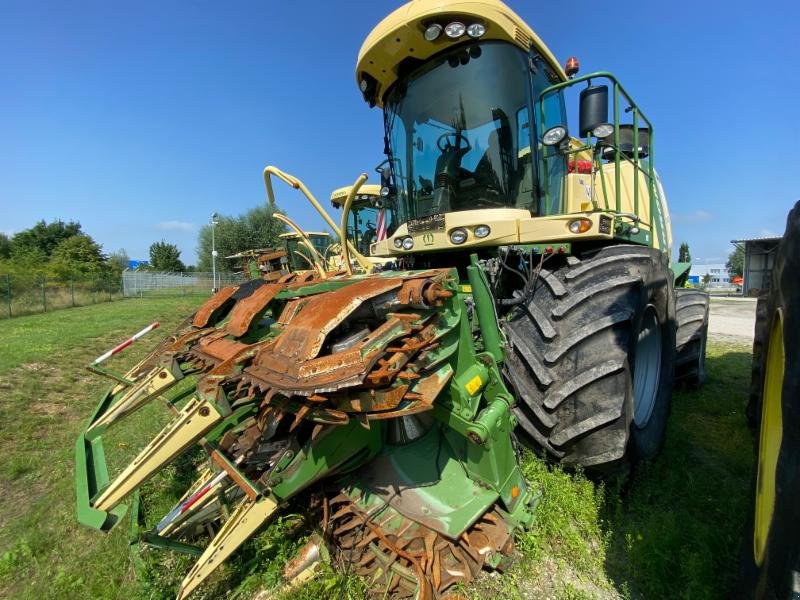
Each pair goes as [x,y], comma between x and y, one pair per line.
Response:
[213,253]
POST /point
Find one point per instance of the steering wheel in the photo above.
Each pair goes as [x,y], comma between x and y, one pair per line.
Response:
[443,143]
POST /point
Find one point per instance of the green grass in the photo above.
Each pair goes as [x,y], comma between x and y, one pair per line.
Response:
[671,528]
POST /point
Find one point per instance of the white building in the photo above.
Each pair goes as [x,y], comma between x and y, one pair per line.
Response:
[720,277]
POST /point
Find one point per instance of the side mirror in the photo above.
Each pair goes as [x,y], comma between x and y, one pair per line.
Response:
[593,108]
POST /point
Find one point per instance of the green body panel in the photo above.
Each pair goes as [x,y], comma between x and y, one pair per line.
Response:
[425,481]
[338,449]
[91,474]
[680,270]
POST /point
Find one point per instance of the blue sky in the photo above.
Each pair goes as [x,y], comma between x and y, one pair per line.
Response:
[140,119]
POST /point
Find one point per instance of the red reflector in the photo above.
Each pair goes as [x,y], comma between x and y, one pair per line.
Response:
[584,166]
[548,250]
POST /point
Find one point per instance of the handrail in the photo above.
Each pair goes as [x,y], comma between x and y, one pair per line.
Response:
[315,262]
[346,213]
[637,114]
[295,183]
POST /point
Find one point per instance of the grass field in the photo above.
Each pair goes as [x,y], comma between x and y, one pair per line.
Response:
[671,528]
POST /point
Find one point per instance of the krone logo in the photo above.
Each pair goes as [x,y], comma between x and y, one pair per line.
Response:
[427,239]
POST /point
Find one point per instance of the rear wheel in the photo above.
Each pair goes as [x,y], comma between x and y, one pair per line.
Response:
[691,317]
[771,553]
[591,357]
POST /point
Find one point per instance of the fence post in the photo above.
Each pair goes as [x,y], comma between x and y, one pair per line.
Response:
[8,287]
[72,290]
[44,293]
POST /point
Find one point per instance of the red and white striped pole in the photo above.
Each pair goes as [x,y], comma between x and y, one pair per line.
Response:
[124,344]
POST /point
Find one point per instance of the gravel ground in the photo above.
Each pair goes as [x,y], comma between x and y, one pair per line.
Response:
[732,319]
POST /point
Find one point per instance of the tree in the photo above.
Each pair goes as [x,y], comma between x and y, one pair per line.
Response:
[42,239]
[683,253]
[257,228]
[78,255]
[735,264]
[119,259]
[706,279]
[5,246]
[165,257]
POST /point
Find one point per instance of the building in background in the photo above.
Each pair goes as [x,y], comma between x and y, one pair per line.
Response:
[759,258]
[718,276]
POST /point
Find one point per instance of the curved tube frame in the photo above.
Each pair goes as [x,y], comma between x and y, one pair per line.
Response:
[346,213]
[299,185]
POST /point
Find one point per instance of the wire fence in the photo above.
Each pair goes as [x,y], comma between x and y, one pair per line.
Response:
[26,295]
[149,283]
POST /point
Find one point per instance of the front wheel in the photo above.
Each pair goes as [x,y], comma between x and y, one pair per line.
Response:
[591,358]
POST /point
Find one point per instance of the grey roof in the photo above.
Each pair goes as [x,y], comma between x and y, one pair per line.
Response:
[758,239]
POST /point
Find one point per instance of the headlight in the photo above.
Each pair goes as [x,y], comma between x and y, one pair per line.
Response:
[481,231]
[408,243]
[476,30]
[454,30]
[398,243]
[385,191]
[580,225]
[554,135]
[433,31]
[458,236]
[603,130]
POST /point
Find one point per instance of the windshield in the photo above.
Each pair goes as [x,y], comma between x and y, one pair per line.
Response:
[459,132]
[368,224]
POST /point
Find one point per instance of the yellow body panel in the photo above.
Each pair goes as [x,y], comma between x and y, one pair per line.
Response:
[400,35]
[604,194]
[508,226]
[196,418]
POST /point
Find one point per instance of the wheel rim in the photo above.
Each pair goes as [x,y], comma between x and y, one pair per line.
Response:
[647,368]
[770,438]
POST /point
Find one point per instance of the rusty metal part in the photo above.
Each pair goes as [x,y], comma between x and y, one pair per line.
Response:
[274,369]
[247,309]
[405,559]
[309,554]
[213,306]
[226,466]
[423,293]
[304,338]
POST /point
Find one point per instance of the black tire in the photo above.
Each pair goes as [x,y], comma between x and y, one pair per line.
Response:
[771,549]
[757,369]
[691,318]
[571,357]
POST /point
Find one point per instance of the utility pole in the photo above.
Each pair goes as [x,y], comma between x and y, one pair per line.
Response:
[213,253]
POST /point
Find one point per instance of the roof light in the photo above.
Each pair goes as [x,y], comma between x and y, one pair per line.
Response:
[385,191]
[433,31]
[481,231]
[458,236]
[476,30]
[408,243]
[363,85]
[455,29]
[554,135]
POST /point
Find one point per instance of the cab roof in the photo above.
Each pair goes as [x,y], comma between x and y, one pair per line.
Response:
[399,39]
[368,191]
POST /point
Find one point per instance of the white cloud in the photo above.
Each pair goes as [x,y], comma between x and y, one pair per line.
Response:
[698,216]
[175,226]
